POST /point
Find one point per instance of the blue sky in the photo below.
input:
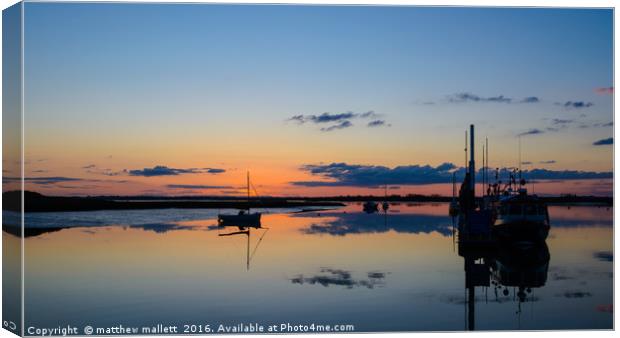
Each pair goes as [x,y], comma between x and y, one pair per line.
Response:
[139,81]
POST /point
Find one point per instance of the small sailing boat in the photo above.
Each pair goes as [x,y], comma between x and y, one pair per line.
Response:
[244,217]
[370,207]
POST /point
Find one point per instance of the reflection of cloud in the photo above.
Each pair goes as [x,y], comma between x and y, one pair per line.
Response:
[161,170]
[575,294]
[604,142]
[609,308]
[361,223]
[605,256]
[161,228]
[328,277]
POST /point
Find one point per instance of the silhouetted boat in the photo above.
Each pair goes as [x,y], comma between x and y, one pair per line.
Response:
[370,207]
[244,217]
[521,217]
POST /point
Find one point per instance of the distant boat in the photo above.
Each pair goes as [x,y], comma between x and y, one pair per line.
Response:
[385,205]
[370,207]
[244,218]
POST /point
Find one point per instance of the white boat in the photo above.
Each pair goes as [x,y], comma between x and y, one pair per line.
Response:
[244,218]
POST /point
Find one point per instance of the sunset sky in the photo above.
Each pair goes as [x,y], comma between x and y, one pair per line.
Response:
[178,99]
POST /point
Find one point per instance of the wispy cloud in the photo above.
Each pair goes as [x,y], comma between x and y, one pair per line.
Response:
[198,186]
[341,125]
[377,123]
[604,142]
[604,90]
[161,170]
[575,104]
[562,121]
[338,120]
[547,162]
[43,180]
[533,131]
[469,97]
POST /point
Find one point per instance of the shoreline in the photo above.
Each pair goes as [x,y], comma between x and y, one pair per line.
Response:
[35,202]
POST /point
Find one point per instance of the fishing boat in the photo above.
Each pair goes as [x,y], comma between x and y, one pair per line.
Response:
[521,216]
[244,218]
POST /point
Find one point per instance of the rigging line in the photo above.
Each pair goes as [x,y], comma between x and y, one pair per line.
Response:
[258,243]
[254,189]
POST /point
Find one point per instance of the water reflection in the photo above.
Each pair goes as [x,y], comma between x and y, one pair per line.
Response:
[247,232]
[329,276]
[510,268]
[395,271]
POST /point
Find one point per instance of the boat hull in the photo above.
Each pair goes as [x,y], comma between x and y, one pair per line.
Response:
[521,231]
[252,220]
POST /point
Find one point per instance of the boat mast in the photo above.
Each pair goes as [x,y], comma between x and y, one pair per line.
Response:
[472,162]
[248,188]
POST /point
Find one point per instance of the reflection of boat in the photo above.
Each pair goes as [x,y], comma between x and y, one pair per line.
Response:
[247,231]
[521,216]
[244,217]
[520,266]
[370,207]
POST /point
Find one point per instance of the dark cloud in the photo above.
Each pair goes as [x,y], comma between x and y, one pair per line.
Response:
[338,120]
[562,121]
[531,132]
[341,125]
[469,97]
[43,180]
[343,174]
[526,163]
[604,142]
[90,166]
[161,170]
[331,117]
[605,256]
[377,123]
[547,162]
[604,90]
[198,186]
[575,104]
[328,277]
[530,99]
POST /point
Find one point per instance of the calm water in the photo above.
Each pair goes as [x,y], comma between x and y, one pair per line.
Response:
[394,272]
